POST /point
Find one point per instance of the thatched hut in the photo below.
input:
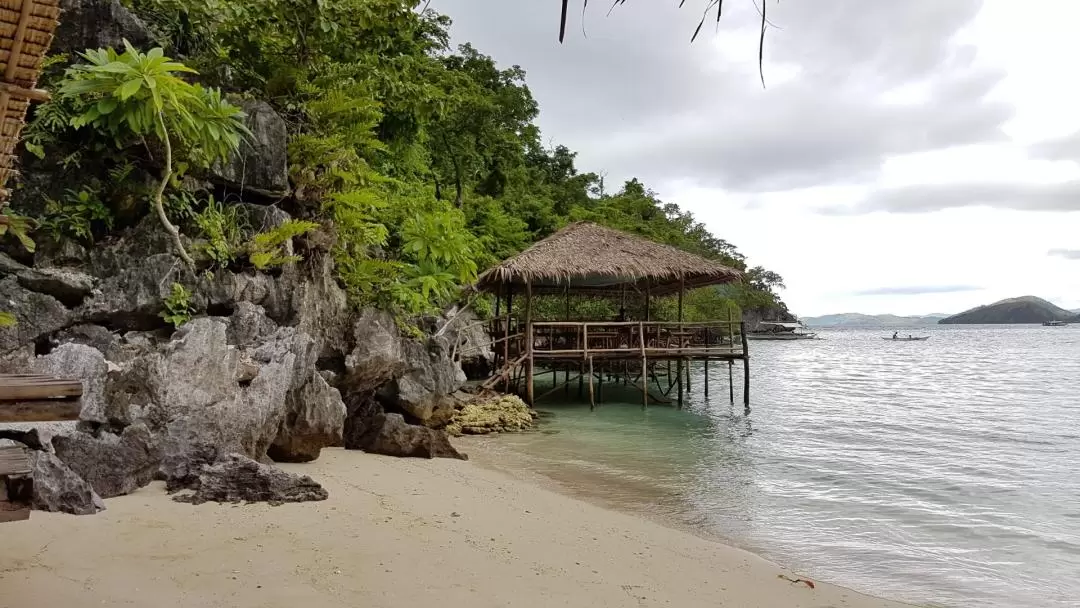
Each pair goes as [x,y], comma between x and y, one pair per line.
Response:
[26,31]
[588,259]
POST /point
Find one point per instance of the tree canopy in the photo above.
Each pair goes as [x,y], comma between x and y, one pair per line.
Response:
[425,160]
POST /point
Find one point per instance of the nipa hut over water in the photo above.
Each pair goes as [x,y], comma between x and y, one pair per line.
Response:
[586,259]
[26,31]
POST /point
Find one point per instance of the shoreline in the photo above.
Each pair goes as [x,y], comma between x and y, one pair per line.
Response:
[395,532]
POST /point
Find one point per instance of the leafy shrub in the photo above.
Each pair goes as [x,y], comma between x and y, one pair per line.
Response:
[75,214]
[177,306]
[219,225]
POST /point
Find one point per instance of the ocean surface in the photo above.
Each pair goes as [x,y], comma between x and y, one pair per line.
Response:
[943,473]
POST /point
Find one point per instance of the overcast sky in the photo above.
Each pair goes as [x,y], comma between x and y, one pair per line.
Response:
[906,157]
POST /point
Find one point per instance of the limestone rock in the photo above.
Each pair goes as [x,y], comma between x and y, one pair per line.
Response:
[59,489]
[260,163]
[248,324]
[237,478]
[463,328]
[93,24]
[378,355]
[37,316]
[132,297]
[113,465]
[389,434]
[199,402]
[92,335]
[423,390]
[506,413]
[314,420]
[83,363]
[68,286]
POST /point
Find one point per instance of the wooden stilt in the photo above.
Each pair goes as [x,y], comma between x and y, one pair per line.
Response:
[688,387]
[592,400]
[679,379]
[644,366]
[506,334]
[528,343]
[580,379]
[706,378]
[731,381]
[746,368]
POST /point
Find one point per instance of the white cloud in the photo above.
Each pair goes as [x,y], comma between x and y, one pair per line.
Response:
[959,116]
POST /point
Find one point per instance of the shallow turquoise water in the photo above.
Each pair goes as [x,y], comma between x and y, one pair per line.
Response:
[944,472]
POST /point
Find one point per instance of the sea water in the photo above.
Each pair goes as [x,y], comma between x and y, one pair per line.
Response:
[944,472]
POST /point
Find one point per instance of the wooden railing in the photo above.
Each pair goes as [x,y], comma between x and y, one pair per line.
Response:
[586,338]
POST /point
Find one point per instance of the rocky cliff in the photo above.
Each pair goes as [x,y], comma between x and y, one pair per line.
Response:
[271,366]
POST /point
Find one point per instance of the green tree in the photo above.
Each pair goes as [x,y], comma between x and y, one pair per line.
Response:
[134,95]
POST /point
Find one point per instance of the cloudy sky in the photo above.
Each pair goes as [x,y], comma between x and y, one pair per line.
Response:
[905,157]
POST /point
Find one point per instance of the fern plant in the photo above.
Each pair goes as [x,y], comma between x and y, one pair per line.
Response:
[135,95]
[18,226]
[220,226]
[268,249]
[74,215]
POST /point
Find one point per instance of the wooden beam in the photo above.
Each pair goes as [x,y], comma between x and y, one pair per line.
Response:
[52,410]
[15,90]
[14,460]
[28,388]
[13,511]
[17,42]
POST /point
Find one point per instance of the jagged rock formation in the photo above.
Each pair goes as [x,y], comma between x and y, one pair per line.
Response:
[237,478]
[59,489]
[261,372]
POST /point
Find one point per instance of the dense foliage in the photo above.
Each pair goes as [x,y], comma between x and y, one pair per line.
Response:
[424,162]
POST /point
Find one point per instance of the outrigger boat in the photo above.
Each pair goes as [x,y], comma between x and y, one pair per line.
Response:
[781,331]
[1055,324]
[896,338]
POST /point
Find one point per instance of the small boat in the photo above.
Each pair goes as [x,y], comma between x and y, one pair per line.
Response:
[907,338]
[1055,324]
[781,331]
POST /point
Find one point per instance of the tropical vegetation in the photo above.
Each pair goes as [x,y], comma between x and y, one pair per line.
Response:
[423,162]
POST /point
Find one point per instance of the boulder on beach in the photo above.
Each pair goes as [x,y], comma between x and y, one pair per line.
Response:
[59,489]
[237,478]
[390,435]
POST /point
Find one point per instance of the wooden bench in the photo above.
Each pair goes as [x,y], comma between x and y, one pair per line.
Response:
[29,398]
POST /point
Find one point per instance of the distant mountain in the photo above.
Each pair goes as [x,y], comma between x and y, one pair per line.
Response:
[855,319]
[1026,309]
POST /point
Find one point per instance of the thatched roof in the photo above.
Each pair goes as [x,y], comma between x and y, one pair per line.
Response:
[591,258]
[26,31]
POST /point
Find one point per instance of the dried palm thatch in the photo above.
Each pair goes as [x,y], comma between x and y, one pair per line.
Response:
[586,257]
[26,31]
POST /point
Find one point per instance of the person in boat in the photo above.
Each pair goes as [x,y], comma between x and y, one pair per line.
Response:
[895,334]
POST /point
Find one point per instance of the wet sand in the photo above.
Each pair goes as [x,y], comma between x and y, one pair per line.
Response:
[395,532]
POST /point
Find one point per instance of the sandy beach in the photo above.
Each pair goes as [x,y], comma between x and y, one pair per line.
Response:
[395,532]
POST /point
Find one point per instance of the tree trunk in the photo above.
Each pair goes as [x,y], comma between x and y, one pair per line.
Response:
[159,196]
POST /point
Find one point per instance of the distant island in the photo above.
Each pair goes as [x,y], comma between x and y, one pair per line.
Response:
[855,319]
[1026,309]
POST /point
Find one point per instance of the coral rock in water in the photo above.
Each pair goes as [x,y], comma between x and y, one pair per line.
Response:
[507,413]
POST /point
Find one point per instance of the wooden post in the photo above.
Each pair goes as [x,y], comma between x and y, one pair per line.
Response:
[731,380]
[678,378]
[566,392]
[506,334]
[688,387]
[600,395]
[592,399]
[529,343]
[706,363]
[746,367]
[644,366]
